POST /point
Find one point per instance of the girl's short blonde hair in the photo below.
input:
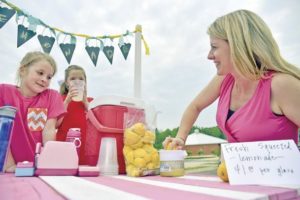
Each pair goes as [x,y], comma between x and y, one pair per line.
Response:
[33,57]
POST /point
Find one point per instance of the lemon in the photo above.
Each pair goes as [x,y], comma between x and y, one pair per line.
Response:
[222,172]
[137,145]
[129,158]
[139,128]
[126,149]
[150,165]
[149,137]
[139,153]
[139,162]
[147,157]
[155,158]
[149,148]
[130,137]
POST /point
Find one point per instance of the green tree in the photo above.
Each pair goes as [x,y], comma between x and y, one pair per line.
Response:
[161,135]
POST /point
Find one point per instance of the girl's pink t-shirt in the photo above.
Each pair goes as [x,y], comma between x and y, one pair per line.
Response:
[31,116]
[255,120]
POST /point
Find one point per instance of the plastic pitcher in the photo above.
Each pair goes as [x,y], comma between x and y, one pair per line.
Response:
[7,116]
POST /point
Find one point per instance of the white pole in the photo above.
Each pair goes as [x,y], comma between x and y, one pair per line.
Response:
[138,62]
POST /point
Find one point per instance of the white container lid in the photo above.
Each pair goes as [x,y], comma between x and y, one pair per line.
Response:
[117,100]
[168,155]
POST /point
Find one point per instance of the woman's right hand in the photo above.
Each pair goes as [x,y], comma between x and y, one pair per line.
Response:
[173,143]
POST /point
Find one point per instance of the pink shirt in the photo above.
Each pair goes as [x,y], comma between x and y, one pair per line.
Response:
[255,120]
[32,114]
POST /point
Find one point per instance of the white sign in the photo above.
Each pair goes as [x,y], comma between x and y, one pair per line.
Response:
[270,162]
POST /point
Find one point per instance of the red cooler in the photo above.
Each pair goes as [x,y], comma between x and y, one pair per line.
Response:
[106,119]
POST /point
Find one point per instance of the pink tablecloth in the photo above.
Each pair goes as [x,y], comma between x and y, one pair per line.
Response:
[152,187]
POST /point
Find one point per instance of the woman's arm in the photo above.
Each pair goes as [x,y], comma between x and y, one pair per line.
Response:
[206,97]
[49,131]
[286,97]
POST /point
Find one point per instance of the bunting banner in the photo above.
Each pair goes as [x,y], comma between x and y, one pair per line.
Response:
[29,26]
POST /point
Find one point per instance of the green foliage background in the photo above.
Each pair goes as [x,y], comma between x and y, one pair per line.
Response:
[161,135]
[213,131]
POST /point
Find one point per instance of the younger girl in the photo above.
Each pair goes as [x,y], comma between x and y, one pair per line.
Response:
[38,107]
[76,110]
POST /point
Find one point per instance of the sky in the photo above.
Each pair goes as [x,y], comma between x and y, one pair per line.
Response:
[177,68]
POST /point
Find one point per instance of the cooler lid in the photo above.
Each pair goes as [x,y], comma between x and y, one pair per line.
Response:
[117,100]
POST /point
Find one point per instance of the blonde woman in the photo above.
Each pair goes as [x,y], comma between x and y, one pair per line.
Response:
[258,90]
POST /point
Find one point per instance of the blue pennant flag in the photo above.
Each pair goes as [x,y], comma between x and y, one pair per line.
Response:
[68,50]
[125,48]
[109,53]
[24,35]
[46,42]
[5,15]
[93,53]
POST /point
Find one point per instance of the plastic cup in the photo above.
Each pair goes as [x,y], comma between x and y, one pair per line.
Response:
[79,85]
[108,160]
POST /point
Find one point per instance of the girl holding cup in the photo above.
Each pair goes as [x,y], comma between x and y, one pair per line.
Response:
[74,95]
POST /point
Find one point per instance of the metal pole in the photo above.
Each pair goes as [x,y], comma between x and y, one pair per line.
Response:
[138,62]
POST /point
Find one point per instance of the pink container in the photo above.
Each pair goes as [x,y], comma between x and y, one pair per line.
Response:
[74,135]
[106,119]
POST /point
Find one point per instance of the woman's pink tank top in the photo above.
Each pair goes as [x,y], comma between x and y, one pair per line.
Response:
[255,120]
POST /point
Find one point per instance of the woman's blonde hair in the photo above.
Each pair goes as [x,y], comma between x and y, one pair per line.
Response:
[254,51]
[63,87]
[33,57]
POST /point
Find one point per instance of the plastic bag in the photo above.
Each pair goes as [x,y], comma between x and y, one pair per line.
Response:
[141,158]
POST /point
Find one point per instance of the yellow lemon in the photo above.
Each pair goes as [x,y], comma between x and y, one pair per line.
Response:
[137,145]
[135,172]
[149,148]
[129,168]
[126,149]
[155,158]
[139,128]
[147,157]
[139,162]
[222,172]
[129,158]
[139,153]
[132,171]
[130,137]
[149,137]
[150,165]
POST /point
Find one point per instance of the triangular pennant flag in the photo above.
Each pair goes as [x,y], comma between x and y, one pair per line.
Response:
[109,53]
[46,42]
[93,53]
[125,48]
[24,35]
[5,15]
[68,50]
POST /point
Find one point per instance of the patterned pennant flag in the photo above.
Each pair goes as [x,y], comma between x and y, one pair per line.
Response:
[93,53]
[5,15]
[125,48]
[24,35]
[46,42]
[68,50]
[109,53]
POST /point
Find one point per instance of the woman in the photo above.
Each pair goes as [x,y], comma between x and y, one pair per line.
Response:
[258,91]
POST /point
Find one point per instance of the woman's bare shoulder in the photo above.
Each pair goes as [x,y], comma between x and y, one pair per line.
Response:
[284,84]
[281,81]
